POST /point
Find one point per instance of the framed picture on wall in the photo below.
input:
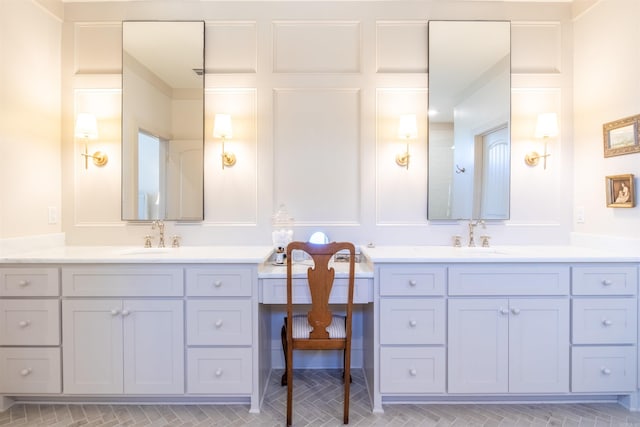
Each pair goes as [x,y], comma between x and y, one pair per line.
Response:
[621,136]
[620,193]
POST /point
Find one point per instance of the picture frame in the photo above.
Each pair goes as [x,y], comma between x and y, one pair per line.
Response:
[620,191]
[621,136]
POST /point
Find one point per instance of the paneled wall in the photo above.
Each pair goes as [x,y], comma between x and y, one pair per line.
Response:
[315,91]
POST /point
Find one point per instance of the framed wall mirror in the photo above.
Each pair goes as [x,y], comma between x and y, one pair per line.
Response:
[469,119]
[162,120]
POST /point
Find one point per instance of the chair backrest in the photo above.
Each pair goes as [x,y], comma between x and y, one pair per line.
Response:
[320,277]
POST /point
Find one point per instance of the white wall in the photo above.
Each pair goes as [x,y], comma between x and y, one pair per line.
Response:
[316,90]
[606,88]
[30,182]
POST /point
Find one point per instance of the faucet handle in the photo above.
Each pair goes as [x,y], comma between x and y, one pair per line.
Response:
[485,241]
[147,241]
[175,241]
[457,241]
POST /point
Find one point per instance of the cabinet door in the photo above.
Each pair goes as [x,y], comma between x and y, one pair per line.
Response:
[478,345]
[92,339]
[153,346]
[539,345]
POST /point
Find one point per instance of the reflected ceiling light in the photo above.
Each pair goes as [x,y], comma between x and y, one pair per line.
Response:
[222,129]
[407,130]
[546,127]
[87,128]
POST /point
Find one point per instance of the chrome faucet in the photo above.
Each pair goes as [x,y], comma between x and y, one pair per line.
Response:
[160,225]
[472,225]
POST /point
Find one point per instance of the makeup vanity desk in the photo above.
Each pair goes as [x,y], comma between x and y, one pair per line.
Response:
[197,324]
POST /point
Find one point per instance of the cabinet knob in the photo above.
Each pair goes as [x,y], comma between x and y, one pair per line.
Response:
[607,322]
[23,283]
[605,371]
[412,282]
[217,283]
[24,323]
[219,372]
[25,372]
[413,323]
[219,323]
[607,282]
[125,313]
[515,311]
[115,312]
[504,310]
[413,372]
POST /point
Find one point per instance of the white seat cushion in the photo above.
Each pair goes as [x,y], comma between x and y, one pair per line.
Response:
[302,328]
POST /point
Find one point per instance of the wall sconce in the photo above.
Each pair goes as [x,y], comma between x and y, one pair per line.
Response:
[407,130]
[547,127]
[222,129]
[87,128]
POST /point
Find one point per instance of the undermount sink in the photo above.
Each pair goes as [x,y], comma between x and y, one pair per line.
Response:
[479,250]
[145,251]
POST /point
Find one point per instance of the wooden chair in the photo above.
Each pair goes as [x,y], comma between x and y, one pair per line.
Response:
[319,329]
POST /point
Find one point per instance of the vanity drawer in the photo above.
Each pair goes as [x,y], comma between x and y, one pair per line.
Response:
[219,371]
[604,280]
[274,291]
[603,369]
[30,370]
[412,280]
[507,279]
[29,282]
[412,321]
[604,321]
[122,281]
[219,322]
[412,370]
[29,322]
[219,281]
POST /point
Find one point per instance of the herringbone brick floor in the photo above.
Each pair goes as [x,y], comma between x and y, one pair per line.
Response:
[318,402]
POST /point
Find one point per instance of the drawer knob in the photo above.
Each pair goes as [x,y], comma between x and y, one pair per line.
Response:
[125,313]
[115,312]
[219,323]
[413,372]
[23,283]
[24,323]
[515,311]
[25,372]
[413,323]
[217,283]
[607,322]
[219,372]
[605,371]
[504,310]
[607,282]
[413,282]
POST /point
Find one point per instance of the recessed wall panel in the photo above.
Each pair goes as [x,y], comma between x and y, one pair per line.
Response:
[231,47]
[402,47]
[535,47]
[317,154]
[316,47]
[98,48]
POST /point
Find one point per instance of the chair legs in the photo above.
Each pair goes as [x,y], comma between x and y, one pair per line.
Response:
[283,338]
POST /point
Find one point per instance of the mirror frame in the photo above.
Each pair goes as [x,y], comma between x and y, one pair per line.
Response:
[460,186]
[191,141]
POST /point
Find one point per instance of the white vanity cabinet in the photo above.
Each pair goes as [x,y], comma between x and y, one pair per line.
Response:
[30,330]
[604,328]
[412,329]
[123,330]
[220,313]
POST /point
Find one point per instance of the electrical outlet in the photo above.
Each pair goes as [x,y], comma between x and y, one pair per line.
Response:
[580,215]
[53,214]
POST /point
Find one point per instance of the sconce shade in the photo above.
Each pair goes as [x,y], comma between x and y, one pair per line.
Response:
[222,126]
[408,128]
[547,125]
[86,126]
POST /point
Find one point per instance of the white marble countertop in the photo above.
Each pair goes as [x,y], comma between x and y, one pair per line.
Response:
[133,255]
[440,254]
[276,271]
